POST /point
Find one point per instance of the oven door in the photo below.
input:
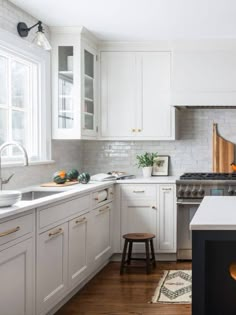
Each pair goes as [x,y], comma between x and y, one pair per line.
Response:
[185,212]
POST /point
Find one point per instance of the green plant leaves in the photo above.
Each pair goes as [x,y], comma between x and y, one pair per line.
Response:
[147,159]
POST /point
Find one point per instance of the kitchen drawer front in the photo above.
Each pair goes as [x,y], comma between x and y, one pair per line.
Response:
[12,229]
[138,191]
[63,210]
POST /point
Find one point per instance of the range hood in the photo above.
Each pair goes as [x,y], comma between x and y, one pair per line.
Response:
[179,107]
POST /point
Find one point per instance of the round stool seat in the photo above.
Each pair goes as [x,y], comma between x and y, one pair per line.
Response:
[147,239]
[138,236]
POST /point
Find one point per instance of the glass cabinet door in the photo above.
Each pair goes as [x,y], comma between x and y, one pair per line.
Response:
[88,106]
[65,87]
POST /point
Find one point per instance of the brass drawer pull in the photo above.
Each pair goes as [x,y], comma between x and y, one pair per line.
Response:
[81,220]
[133,130]
[10,231]
[104,209]
[59,231]
[154,207]
[138,191]
[139,130]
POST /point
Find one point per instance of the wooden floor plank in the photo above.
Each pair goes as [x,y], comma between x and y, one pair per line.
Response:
[108,293]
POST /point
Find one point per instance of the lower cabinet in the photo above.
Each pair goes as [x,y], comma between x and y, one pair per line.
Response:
[139,216]
[68,253]
[17,279]
[102,233]
[153,211]
[78,249]
[167,219]
[51,266]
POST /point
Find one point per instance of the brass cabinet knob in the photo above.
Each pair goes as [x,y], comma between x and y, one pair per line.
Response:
[139,130]
[133,129]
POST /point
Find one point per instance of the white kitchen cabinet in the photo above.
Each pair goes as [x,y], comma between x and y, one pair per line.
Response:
[78,256]
[150,208]
[135,96]
[101,234]
[74,83]
[118,95]
[167,218]
[139,216]
[52,266]
[17,284]
[17,265]
[204,78]
[155,116]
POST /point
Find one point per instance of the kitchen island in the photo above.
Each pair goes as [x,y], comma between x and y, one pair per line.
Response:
[214,256]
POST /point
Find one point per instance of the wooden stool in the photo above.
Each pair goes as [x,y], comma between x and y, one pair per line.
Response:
[131,238]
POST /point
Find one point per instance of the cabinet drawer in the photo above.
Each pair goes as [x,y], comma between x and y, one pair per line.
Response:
[138,191]
[62,210]
[15,228]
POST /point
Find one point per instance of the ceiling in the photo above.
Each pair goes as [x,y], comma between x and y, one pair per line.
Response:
[140,19]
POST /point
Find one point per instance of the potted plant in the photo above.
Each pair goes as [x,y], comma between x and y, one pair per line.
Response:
[145,161]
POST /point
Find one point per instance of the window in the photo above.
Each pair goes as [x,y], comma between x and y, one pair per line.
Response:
[20,108]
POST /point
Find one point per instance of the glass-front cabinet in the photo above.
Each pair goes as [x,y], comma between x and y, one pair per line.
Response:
[88,90]
[73,84]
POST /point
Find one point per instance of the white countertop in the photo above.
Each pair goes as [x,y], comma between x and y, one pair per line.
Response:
[66,192]
[149,180]
[215,213]
[74,190]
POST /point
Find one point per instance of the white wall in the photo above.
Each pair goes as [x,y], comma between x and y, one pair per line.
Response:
[192,153]
[66,154]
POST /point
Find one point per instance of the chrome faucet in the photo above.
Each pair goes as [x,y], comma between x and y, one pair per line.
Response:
[26,162]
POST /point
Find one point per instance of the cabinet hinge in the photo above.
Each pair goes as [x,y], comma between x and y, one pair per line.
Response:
[96,57]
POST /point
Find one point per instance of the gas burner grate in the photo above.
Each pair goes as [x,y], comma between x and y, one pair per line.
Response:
[209,176]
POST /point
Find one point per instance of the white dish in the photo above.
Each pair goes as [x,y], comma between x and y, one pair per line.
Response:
[9,197]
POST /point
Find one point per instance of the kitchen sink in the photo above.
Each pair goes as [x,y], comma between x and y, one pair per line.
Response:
[32,195]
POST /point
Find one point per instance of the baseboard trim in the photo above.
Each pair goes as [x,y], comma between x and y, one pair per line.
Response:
[159,257]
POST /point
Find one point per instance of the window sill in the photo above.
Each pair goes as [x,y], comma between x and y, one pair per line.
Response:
[31,163]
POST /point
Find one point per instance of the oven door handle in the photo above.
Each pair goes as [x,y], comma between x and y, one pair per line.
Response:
[188,203]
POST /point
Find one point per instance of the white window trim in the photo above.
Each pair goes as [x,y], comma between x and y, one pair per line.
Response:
[19,46]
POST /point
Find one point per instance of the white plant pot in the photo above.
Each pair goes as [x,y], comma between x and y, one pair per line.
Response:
[147,171]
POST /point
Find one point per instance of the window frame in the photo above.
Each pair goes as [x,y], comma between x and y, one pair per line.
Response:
[25,50]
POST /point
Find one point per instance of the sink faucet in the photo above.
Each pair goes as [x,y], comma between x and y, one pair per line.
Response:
[26,162]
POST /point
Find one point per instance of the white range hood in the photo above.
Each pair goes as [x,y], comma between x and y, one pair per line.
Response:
[204,78]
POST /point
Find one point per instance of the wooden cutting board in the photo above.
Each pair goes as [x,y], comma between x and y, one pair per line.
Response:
[52,184]
[223,153]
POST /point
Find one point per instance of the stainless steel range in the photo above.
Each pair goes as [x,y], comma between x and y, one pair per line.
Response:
[191,189]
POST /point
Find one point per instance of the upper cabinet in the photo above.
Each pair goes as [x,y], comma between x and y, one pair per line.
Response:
[74,71]
[135,96]
[204,78]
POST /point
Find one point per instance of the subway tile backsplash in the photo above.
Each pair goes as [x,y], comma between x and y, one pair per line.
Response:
[191,153]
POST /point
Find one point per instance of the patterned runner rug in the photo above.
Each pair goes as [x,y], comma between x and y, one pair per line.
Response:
[174,287]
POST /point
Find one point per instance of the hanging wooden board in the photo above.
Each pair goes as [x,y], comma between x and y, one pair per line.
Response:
[52,184]
[223,153]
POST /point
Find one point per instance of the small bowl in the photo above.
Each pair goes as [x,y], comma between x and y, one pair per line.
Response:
[9,197]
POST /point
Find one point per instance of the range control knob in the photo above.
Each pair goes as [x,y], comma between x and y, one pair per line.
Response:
[230,191]
[187,191]
[181,191]
[201,191]
[194,191]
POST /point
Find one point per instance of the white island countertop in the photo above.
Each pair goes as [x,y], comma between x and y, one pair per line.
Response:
[215,213]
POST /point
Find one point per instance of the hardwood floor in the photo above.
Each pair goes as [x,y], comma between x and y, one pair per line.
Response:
[108,293]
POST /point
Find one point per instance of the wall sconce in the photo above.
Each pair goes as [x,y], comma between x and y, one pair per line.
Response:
[40,39]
